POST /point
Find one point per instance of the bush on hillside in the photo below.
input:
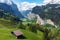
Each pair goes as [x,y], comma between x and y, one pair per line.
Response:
[21,26]
[33,28]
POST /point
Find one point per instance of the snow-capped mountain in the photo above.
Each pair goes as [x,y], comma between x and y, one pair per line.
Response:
[9,2]
[10,7]
[51,1]
[55,2]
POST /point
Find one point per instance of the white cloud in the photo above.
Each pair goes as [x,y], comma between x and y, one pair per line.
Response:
[6,1]
[2,1]
[26,5]
[46,1]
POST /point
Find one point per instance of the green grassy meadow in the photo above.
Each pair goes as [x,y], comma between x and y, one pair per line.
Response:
[6,28]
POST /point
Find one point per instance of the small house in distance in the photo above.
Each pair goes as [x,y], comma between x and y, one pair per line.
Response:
[18,34]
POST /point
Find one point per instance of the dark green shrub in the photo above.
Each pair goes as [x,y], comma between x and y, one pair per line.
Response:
[33,28]
[21,26]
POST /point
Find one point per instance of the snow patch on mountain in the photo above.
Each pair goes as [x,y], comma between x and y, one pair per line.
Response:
[52,1]
[9,2]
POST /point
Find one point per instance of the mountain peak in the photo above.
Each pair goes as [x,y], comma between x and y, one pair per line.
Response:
[9,2]
[55,2]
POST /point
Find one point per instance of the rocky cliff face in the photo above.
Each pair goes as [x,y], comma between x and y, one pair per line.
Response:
[40,21]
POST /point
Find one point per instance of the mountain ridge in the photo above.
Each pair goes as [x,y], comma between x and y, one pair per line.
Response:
[11,9]
[49,11]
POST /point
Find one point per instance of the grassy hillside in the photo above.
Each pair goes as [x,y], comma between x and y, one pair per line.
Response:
[5,32]
[6,27]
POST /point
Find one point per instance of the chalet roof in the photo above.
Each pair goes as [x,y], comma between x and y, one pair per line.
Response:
[17,33]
